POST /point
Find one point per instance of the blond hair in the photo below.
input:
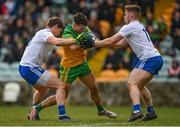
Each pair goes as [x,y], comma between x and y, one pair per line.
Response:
[136,9]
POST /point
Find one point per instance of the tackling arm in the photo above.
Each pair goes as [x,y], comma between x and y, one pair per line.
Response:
[122,43]
[109,42]
[60,41]
[73,47]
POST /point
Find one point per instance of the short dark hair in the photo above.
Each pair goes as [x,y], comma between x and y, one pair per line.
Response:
[55,21]
[133,8]
[80,18]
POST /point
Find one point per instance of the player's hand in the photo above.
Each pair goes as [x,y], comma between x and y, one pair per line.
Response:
[85,40]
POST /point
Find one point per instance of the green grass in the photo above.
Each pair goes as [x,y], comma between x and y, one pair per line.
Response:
[85,116]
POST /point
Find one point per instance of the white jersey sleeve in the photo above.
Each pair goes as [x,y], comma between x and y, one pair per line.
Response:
[126,30]
[45,36]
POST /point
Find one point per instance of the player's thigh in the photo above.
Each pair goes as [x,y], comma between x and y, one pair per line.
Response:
[49,81]
[89,80]
[39,89]
[139,78]
[54,82]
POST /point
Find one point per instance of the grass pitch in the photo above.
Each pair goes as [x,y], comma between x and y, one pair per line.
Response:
[85,116]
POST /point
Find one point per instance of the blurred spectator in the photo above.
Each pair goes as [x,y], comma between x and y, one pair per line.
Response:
[176,39]
[174,69]
[171,52]
[175,29]
[18,21]
[19,47]
[73,6]
[152,27]
[126,61]
[145,4]
[162,28]
[175,23]
[107,12]
[111,60]
[105,28]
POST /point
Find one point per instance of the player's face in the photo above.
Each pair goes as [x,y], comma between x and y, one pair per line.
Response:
[57,31]
[79,28]
[127,17]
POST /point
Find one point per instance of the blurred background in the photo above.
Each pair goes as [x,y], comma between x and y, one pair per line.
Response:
[20,19]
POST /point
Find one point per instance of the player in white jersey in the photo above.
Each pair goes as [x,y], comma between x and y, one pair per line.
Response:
[30,65]
[150,61]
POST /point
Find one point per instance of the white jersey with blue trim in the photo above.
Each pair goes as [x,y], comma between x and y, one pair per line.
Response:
[139,40]
[38,48]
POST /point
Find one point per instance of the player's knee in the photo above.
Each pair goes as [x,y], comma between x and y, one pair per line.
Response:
[140,87]
[64,87]
[61,86]
[130,85]
[41,91]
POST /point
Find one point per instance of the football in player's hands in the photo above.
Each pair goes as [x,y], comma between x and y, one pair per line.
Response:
[85,40]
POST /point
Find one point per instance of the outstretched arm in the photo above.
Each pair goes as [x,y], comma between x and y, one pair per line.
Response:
[73,47]
[109,42]
[121,44]
[60,41]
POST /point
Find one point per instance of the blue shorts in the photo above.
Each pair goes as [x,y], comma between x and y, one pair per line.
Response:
[151,65]
[34,74]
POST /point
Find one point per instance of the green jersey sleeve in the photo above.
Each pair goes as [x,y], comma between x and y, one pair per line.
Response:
[68,32]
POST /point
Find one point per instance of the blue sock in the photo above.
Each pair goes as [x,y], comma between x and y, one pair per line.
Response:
[136,108]
[62,113]
[150,109]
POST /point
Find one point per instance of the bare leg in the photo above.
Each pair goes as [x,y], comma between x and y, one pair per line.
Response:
[58,99]
[60,89]
[146,97]
[136,83]
[51,100]
[90,82]
[38,96]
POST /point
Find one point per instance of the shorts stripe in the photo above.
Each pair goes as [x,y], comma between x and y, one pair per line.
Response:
[141,65]
[65,73]
[37,72]
[66,76]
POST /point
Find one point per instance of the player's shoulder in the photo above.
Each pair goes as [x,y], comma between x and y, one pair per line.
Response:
[127,27]
[44,31]
[136,24]
[68,27]
[42,35]
[68,31]
[133,25]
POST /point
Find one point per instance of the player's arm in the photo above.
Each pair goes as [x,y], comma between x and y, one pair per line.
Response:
[60,41]
[73,47]
[108,42]
[122,43]
[115,40]
[68,35]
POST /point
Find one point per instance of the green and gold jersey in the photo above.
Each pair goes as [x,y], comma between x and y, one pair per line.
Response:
[72,58]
